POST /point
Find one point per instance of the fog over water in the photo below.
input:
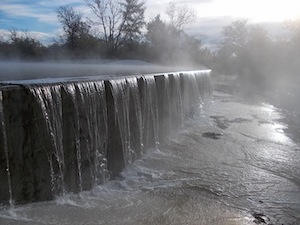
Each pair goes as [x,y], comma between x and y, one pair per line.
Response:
[16,70]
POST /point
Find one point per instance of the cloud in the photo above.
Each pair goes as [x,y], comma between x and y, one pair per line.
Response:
[43,11]
[84,10]
[155,7]
[15,9]
[209,29]
[28,11]
[57,3]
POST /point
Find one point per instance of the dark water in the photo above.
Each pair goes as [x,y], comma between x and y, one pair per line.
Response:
[230,164]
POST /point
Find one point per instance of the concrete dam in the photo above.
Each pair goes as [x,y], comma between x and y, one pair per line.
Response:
[67,135]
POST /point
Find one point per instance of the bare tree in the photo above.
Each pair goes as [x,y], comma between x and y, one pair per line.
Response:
[235,36]
[109,17]
[180,15]
[294,27]
[24,45]
[230,55]
[119,21]
[73,24]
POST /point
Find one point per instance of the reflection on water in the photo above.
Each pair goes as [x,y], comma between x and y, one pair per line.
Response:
[276,129]
[249,174]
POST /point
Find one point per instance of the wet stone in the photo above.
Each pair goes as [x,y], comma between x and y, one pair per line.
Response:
[221,122]
[261,122]
[240,120]
[212,135]
[260,218]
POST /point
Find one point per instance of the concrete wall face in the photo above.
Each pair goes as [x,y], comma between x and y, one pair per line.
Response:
[69,137]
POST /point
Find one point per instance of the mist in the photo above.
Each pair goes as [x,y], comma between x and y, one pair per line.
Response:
[21,70]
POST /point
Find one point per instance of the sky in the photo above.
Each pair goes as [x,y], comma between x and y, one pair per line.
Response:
[38,17]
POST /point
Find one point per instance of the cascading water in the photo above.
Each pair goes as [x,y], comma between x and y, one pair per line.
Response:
[71,91]
[120,92]
[166,115]
[150,113]
[176,96]
[84,132]
[136,121]
[92,94]
[49,98]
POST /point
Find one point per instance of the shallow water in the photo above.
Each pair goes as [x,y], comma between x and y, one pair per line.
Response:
[231,164]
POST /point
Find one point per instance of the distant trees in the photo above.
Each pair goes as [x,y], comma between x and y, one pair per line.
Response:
[248,51]
[76,31]
[168,44]
[294,27]
[21,45]
[244,51]
[73,25]
[292,56]
[167,41]
[119,22]
[180,15]
[235,36]
[117,29]
[161,39]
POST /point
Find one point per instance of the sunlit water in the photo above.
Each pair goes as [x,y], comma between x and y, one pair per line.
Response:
[231,164]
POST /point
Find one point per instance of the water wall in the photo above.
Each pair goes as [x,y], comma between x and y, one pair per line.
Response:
[69,135]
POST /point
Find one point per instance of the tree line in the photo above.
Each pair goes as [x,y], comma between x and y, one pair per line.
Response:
[248,51]
[118,30]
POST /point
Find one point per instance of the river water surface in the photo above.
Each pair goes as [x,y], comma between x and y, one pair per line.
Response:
[230,164]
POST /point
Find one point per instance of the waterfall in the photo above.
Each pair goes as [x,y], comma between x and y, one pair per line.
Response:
[77,134]
[150,113]
[191,96]
[164,101]
[92,94]
[49,98]
[128,116]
